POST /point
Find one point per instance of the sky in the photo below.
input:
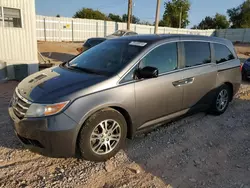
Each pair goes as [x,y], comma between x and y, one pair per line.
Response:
[144,9]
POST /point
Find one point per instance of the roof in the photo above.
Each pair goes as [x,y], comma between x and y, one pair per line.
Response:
[125,30]
[155,37]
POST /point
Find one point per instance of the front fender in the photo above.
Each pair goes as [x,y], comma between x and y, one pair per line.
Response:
[83,107]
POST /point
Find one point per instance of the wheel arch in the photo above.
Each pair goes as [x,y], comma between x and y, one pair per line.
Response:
[230,85]
[119,108]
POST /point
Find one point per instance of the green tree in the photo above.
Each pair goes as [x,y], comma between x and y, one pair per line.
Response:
[115,17]
[219,21]
[145,23]
[90,14]
[195,27]
[240,16]
[163,23]
[58,16]
[173,10]
[207,23]
[133,20]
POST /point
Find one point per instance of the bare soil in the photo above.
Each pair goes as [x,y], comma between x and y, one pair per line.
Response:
[57,52]
[197,151]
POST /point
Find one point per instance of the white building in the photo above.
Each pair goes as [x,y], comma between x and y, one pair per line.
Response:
[18,45]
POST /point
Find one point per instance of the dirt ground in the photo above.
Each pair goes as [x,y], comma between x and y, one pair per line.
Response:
[197,151]
[57,52]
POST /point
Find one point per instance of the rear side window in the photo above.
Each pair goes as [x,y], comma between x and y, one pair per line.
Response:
[222,53]
[197,53]
[164,58]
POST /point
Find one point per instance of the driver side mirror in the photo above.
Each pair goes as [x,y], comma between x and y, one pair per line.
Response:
[147,72]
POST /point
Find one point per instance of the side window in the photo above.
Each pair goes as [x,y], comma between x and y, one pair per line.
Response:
[129,76]
[197,53]
[12,17]
[222,53]
[163,57]
[128,33]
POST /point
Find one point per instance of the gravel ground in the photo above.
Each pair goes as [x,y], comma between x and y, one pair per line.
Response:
[197,151]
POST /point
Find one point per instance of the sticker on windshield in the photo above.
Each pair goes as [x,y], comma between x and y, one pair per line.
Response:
[135,43]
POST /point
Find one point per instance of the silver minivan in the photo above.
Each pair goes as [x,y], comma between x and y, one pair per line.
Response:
[122,86]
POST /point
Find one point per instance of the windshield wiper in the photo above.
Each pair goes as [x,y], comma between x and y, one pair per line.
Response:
[90,71]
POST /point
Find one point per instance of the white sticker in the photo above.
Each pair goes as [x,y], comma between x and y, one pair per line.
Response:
[136,43]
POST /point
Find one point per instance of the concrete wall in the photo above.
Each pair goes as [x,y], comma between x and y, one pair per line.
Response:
[70,29]
[19,45]
[235,35]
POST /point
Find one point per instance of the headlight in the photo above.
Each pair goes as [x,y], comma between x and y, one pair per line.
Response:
[40,110]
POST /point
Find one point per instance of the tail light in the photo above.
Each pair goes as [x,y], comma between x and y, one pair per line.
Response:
[241,65]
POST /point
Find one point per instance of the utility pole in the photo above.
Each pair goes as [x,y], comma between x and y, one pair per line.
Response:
[132,6]
[157,16]
[129,14]
[180,18]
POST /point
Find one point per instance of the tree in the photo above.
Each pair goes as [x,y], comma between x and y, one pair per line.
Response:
[219,21]
[207,23]
[90,14]
[163,23]
[172,14]
[134,19]
[115,17]
[195,27]
[145,23]
[58,16]
[240,16]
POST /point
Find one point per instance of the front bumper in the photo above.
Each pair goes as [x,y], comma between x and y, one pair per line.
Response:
[53,136]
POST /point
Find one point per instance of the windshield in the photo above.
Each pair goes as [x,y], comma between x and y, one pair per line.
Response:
[119,33]
[109,57]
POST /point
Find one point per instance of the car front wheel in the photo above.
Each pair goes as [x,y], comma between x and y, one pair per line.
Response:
[102,135]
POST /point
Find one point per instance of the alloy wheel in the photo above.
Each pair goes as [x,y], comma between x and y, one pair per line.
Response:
[222,100]
[105,137]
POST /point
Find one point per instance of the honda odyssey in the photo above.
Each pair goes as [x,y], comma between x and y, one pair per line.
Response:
[122,86]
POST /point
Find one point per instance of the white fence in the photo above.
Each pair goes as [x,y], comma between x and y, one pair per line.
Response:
[71,29]
[75,29]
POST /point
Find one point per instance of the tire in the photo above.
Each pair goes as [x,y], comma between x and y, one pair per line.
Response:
[244,77]
[217,109]
[101,134]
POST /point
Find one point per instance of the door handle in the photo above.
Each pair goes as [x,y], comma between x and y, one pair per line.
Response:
[177,83]
[189,80]
[183,82]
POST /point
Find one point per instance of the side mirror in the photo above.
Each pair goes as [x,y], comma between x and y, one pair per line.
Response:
[147,72]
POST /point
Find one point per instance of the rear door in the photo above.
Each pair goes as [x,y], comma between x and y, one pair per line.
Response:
[199,75]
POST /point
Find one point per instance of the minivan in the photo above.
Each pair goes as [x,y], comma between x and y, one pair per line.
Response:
[89,105]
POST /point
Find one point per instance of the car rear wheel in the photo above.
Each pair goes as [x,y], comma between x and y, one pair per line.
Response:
[221,100]
[102,135]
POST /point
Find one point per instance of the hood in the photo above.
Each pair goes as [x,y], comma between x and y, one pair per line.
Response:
[53,84]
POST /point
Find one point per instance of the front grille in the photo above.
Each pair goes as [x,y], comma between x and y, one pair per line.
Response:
[20,105]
